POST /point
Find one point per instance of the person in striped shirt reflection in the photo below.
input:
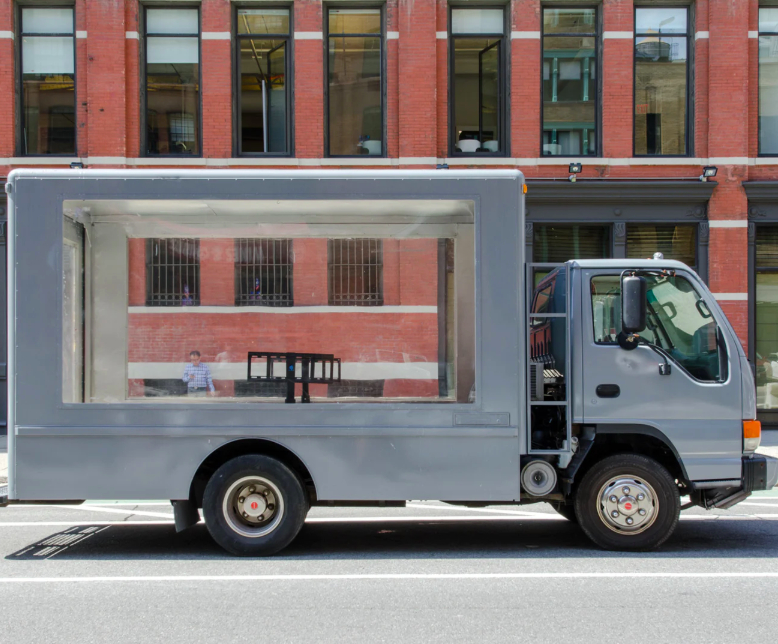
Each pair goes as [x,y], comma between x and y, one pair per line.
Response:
[197,377]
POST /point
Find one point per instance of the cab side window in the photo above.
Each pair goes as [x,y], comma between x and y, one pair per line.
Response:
[678,321]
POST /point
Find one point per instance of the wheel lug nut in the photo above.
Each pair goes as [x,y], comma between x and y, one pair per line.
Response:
[614,514]
[270,506]
[629,520]
[251,489]
[641,497]
[613,499]
[625,489]
[642,512]
[245,514]
[241,500]
[261,517]
[264,493]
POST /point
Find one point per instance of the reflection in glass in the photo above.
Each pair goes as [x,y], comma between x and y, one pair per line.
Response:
[355,114]
[263,21]
[263,96]
[767,317]
[172,82]
[674,242]
[768,81]
[569,82]
[477,94]
[394,314]
[48,81]
[660,82]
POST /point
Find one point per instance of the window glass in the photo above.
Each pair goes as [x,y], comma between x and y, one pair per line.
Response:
[183,295]
[767,317]
[264,92]
[559,243]
[355,108]
[48,82]
[172,82]
[569,82]
[263,21]
[768,81]
[661,79]
[678,321]
[674,242]
[476,21]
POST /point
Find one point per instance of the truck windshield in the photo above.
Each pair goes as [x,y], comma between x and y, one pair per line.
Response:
[678,321]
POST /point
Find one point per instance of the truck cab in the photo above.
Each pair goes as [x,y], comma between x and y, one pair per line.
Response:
[638,359]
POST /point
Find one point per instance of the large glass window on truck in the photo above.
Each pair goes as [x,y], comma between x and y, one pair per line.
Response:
[678,321]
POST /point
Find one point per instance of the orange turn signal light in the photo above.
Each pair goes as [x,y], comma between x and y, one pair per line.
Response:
[752,429]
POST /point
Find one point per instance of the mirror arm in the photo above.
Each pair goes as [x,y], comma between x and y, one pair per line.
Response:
[664,368]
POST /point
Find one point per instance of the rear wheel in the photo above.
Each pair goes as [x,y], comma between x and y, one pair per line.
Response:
[628,502]
[254,506]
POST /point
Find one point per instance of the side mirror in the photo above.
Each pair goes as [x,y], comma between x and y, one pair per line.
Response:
[633,304]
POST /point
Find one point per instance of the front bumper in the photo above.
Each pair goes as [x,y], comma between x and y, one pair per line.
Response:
[760,472]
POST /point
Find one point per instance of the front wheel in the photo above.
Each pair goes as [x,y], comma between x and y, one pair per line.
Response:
[628,502]
[254,505]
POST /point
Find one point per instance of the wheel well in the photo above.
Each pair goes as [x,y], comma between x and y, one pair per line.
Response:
[607,444]
[241,447]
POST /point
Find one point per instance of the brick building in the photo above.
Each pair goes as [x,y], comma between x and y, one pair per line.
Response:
[643,94]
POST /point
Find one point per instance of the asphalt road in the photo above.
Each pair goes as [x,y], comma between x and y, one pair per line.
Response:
[108,572]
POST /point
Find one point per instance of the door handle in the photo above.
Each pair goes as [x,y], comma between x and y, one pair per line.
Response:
[608,391]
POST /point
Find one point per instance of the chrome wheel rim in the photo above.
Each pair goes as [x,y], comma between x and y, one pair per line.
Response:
[627,505]
[253,506]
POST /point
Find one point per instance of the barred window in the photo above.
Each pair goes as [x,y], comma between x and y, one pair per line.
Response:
[355,272]
[173,272]
[263,272]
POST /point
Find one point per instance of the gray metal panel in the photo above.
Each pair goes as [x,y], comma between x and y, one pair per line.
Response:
[365,451]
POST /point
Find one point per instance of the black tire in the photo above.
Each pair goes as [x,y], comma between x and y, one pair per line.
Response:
[646,474]
[566,510]
[284,498]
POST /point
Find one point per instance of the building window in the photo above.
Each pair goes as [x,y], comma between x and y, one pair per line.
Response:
[355,272]
[768,81]
[172,81]
[263,272]
[263,90]
[556,244]
[355,113]
[48,81]
[767,317]
[172,272]
[477,81]
[674,242]
[661,81]
[569,82]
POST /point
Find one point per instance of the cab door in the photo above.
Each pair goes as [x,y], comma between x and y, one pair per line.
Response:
[697,405]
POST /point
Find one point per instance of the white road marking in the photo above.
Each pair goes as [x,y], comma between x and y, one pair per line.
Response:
[95,508]
[29,524]
[466,509]
[395,577]
[759,505]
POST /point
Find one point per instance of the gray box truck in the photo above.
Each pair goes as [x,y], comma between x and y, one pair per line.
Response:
[252,343]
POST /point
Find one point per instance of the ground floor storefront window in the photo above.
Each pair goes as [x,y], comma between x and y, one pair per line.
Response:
[766,317]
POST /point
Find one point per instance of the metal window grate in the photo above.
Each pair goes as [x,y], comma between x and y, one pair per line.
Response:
[172,272]
[263,272]
[355,272]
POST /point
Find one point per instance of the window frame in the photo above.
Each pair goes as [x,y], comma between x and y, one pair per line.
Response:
[503,83]
[289,76]
[689,278]
[144,148]
[19,33]
[758,87]
[689,120]
[326,7]
[281,303]
[597,65]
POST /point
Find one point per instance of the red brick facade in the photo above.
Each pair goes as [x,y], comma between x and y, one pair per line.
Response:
[724,110]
